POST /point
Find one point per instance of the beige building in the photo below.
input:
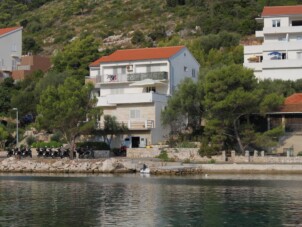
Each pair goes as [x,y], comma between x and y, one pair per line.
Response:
[30,64]
[134,85]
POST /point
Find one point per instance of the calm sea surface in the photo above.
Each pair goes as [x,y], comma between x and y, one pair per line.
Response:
[135,200]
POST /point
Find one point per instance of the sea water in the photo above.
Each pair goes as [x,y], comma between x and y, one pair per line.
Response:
[147,200]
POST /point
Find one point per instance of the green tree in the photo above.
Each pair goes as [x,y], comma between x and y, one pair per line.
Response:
[25,98]
[138,37]
[111,128]
[3,136]
[230,93]
[76,57]
[185,107]
[68,109]
[30,45]
[7,89]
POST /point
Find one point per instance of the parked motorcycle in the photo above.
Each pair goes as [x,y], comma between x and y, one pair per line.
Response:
[26,152]
[55,153]
[40,152]
[10,152]
[85,153]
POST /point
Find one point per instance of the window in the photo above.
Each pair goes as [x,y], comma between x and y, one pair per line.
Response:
[297,23]
[299,37]
[1,62]
[193,73]
[186,69]
[129,68]
[283,55]
[276,23]
[135,114]
[299,55]
[14,47]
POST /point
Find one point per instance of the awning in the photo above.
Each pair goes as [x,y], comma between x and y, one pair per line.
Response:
[146,83]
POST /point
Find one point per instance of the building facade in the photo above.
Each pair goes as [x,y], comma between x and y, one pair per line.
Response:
[134,85]
[280,54]
[30,64]
[10,49]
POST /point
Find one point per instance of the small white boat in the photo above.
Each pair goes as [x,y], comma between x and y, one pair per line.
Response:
[145,171]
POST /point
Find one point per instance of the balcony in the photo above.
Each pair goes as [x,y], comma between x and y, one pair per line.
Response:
[113,100]
[94,80]
[282,30]
[285,63]
[148,75]
[140,124]
[282,45]
[256,66]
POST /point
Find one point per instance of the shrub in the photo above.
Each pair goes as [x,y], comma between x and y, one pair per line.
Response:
[212,161]
[47,144]
[30,140]
[94,145]
[186,144]
[57,136]
[163,156]
[299,153]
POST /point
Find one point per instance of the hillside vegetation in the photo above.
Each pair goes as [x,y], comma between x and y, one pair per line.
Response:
[50,24]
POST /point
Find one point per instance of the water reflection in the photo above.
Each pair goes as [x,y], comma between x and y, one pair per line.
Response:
[133,200]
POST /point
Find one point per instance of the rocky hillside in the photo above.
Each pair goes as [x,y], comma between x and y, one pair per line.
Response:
[127,23]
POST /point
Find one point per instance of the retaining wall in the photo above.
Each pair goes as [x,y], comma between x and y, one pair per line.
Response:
[192,155]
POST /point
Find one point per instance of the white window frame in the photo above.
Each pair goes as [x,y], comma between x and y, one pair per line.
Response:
[276,23]
[134,114]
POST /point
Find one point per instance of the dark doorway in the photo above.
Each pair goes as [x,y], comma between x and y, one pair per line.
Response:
[135,142]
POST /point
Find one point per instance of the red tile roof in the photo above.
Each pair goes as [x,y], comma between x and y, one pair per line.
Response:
[281,10]
[292,104]
[294,99]
[7,30]
[139,54]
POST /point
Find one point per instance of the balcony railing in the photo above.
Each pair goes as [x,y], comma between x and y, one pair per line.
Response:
[149,75]
[93,80]
[122,78]
[132,124]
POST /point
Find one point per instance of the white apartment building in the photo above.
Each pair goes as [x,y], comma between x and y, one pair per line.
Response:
[280,55]
[10,49]
[134,85]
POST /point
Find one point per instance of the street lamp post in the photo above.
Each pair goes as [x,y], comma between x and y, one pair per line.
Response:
[17,133]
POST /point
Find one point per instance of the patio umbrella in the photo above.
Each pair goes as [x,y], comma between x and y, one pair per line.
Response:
[275,53]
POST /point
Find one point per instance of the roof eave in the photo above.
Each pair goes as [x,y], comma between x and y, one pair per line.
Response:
[10,32]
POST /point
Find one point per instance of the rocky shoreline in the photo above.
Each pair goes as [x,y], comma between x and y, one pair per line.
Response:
[126,165]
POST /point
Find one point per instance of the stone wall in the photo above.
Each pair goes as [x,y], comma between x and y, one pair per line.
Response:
[175,154]
[192,155]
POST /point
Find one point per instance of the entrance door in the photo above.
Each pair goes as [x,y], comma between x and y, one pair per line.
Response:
[135,142]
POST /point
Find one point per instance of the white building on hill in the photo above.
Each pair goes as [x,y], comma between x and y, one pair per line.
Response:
[134,85]
[10,49]
[280,55]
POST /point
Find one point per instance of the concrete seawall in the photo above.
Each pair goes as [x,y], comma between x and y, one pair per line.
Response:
[126,165]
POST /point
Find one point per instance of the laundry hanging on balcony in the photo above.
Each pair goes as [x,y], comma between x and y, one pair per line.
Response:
[275,55]
[254,58]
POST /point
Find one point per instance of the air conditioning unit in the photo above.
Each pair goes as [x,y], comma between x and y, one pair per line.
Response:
[129,68]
